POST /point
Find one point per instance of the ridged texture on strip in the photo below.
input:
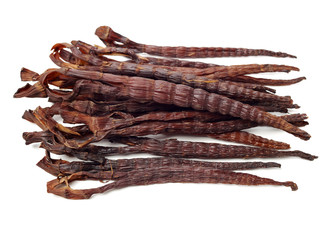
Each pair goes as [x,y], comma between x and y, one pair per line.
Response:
[108,36]
[205,52]
[175,148]
[148,177]
[185,96]
[265,81]
[250,139]
[57,167]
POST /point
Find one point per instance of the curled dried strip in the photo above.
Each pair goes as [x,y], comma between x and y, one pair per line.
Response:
[59,80]
[33,91]
[94,89]
[61,188]
[41,118]
[47,136]
[28,75]
[69,57]
[100,51]
[111,38]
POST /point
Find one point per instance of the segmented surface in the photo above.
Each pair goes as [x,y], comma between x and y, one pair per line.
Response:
[109,37]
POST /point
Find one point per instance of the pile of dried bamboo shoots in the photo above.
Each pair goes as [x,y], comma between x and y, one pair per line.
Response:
[143,102]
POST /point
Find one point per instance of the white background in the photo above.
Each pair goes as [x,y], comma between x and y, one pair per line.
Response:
[174,211]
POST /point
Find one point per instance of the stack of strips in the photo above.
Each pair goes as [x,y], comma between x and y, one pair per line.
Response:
[129,102]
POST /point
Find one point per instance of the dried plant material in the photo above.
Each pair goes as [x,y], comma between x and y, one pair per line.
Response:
[111,38]
[102,99]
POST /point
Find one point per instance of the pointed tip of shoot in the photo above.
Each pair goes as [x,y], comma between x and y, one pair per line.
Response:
[313,157]
[272,165]
[305,136]
[297,80]
[304,155]
[295,69]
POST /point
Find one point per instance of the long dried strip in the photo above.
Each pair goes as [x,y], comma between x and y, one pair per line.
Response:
[111,38]
[58,167]
[61,188]
[176,148]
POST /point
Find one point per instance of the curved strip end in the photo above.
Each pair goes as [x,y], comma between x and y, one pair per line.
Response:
[28,75]
[103,32]
[32,91]
[293,185]
[61,189]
